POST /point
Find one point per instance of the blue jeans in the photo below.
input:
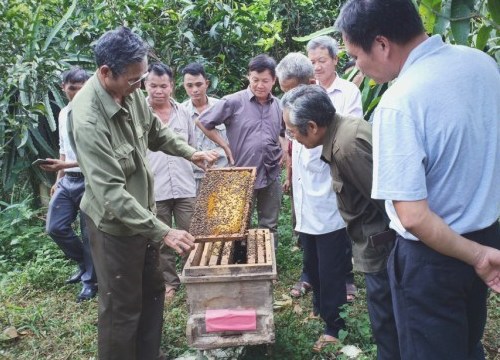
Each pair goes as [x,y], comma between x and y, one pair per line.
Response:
[439,302]
[63,209]
[324,262]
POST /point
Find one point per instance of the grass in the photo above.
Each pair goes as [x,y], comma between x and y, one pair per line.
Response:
[52,326]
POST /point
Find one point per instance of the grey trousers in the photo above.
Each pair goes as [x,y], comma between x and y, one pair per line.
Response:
[181,210]
[131,295]
[267,200]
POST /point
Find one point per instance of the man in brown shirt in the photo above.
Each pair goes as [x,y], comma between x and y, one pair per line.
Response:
[253,126]
[311,119]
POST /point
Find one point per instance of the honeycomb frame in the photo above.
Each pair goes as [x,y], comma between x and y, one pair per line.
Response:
[222,210]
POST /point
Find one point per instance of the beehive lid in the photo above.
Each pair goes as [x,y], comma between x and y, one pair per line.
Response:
[222,209]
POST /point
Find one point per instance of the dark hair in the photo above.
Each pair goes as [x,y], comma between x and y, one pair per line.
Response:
[119,48]
[75,75]
[261,63]
[360,21]
[308,103]
[161,69]
[194,69]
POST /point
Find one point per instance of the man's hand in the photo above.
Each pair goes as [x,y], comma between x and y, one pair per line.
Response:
[179,240]
[53,165]
[286,186]
[229,155]
[487,267]
[204,159]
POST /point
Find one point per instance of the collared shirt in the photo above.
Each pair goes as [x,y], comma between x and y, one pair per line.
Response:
[314,199]
[64,144]
[439,130]
[203,143]
[253,130]
[346,97]
[174,177]
[111,143]
[347,149]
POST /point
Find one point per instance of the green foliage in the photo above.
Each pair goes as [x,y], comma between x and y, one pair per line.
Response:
[21,234]
[467,22]
[32,40]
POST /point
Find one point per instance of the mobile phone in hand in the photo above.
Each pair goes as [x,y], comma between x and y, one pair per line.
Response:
[40,162]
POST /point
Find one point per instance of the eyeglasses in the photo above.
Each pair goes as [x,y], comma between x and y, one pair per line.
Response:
[289,135]
[135,82]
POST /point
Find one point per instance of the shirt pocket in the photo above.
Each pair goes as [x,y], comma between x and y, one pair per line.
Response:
[337,187]
[125,155]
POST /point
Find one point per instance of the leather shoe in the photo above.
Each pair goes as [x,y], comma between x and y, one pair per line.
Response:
[87,293]
[73,279]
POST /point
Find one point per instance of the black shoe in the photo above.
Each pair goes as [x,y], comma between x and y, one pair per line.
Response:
[73,279]
[87,293]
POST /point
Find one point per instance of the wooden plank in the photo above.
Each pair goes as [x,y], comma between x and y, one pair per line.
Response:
[227,253]
[214,238]
[267,244]
[261,257]
[207,251]
[214,257]
[212,272]
[251,247]
[195,256]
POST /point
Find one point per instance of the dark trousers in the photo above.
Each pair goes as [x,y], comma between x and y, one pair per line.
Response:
[324,261]
[267,200]
[439,301]
[380,310]
[63,210]
[131,296]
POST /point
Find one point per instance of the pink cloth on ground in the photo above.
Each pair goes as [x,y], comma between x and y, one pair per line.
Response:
[230,320]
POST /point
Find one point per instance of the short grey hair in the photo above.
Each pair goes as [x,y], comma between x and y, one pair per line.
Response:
[308,103]
[325,42]
[119,48]
[295,66]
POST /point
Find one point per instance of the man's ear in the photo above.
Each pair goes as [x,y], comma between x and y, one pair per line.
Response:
[381,43]
[105,71]
[312,127]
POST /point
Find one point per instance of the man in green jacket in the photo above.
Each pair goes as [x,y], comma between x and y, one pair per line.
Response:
[112,127]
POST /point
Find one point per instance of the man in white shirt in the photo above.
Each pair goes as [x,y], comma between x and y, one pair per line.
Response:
[319,224]
[67,193]
[196,85]
[175,188]
[345,97]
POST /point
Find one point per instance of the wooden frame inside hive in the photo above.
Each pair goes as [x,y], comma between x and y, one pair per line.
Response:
[218,258]
[222,210]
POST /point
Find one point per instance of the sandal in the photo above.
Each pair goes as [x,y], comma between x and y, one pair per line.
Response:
[351,291]
[323,341]
[300,289]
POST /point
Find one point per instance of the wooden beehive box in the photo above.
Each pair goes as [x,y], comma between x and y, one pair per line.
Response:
[224,203]
[231,275]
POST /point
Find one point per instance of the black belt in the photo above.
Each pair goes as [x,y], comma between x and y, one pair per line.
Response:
[74,174]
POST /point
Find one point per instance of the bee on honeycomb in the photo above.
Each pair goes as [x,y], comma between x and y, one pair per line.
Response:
[222,208]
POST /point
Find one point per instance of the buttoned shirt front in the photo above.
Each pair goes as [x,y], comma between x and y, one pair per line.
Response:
[253,131]
[347,148]
[203,143]
[314,200]
[111,141]
[346,97]
[174,177]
